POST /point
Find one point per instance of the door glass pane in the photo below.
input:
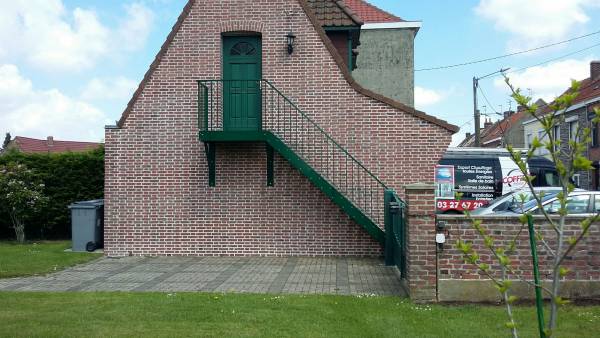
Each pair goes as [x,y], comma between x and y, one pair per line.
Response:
[242,48]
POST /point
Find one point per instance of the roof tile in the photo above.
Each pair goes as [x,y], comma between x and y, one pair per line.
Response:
[369,13]
[334,13]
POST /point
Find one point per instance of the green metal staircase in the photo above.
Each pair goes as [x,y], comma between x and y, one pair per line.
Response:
[307,147]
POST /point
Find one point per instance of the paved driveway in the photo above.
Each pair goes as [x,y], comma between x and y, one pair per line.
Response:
[220,274]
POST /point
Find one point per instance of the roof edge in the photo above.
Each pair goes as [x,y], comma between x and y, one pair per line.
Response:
[348,77]
[163,50]
[391,25]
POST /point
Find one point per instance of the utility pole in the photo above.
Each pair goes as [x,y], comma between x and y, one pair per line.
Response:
[476,112]
[477,115]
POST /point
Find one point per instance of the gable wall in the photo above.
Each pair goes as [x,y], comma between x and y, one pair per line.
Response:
[157,195]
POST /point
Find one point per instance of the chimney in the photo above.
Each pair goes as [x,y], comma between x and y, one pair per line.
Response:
[50,141]
[468,135]
[488,123]
[508,113]
[594,69]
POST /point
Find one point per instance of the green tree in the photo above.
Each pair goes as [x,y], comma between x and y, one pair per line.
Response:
[21,195]
[569,159]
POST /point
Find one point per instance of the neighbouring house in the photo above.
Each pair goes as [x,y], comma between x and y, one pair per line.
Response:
[244,139]
[499,134]
[49,145]
[385,57]
[580,113]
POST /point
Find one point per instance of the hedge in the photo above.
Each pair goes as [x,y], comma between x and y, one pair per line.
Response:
[68,177]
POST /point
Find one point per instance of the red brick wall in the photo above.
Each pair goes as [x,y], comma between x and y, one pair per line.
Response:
[584,262]
[157,196]
[421,247]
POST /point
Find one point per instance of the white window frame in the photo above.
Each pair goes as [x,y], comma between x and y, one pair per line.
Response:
[576,180]
[542,136]
[556,132]
[572,124]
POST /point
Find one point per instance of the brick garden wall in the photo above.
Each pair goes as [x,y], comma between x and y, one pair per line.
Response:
[157,197]
[584,262]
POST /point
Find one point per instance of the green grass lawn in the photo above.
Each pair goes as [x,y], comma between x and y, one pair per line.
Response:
[251,315]
[38,258]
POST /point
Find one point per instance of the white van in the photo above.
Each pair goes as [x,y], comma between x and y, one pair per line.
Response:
[482,175]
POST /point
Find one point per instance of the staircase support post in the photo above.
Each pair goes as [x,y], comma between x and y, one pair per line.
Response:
[388,249]
[270,165]
[211,157]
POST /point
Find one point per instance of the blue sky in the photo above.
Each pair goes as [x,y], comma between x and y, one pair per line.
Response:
[68,67]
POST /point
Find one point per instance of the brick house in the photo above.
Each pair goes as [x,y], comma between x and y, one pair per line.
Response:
[49,145]
[580,113]
[504,132]
[238,143]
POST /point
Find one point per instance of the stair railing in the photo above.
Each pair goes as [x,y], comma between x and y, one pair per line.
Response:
[303,135]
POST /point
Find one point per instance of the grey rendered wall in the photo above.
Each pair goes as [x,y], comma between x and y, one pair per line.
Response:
[515,135]
[385,63]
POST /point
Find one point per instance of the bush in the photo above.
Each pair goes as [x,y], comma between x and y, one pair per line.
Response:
[67,177]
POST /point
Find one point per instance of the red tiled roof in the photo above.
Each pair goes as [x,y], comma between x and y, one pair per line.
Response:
[495,131]
[588,89]
[499,128]
[369,13]
[32,145]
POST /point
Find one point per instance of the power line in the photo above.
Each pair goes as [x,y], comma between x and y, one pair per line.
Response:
[553,59]
[464,124]
[507,55]
[488,101]
[502,130]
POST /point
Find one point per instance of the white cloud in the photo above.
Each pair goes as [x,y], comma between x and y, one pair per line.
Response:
[134,31]
[550,80]
[46,35]
[535,22]
[425,97]
[27,111]
[119,88]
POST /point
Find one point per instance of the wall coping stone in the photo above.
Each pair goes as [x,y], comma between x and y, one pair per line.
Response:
[419,186]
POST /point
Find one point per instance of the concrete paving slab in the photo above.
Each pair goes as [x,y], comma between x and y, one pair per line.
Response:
[302,275]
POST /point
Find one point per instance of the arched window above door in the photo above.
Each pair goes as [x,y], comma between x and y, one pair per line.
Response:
[242,48]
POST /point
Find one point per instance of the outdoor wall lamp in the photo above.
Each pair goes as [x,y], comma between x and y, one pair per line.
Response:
[290,37]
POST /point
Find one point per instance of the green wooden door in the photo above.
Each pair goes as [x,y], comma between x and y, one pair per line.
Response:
[242,71]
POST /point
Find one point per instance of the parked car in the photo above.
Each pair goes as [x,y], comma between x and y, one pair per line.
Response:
[483,175]
[507,201]
[584,203]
